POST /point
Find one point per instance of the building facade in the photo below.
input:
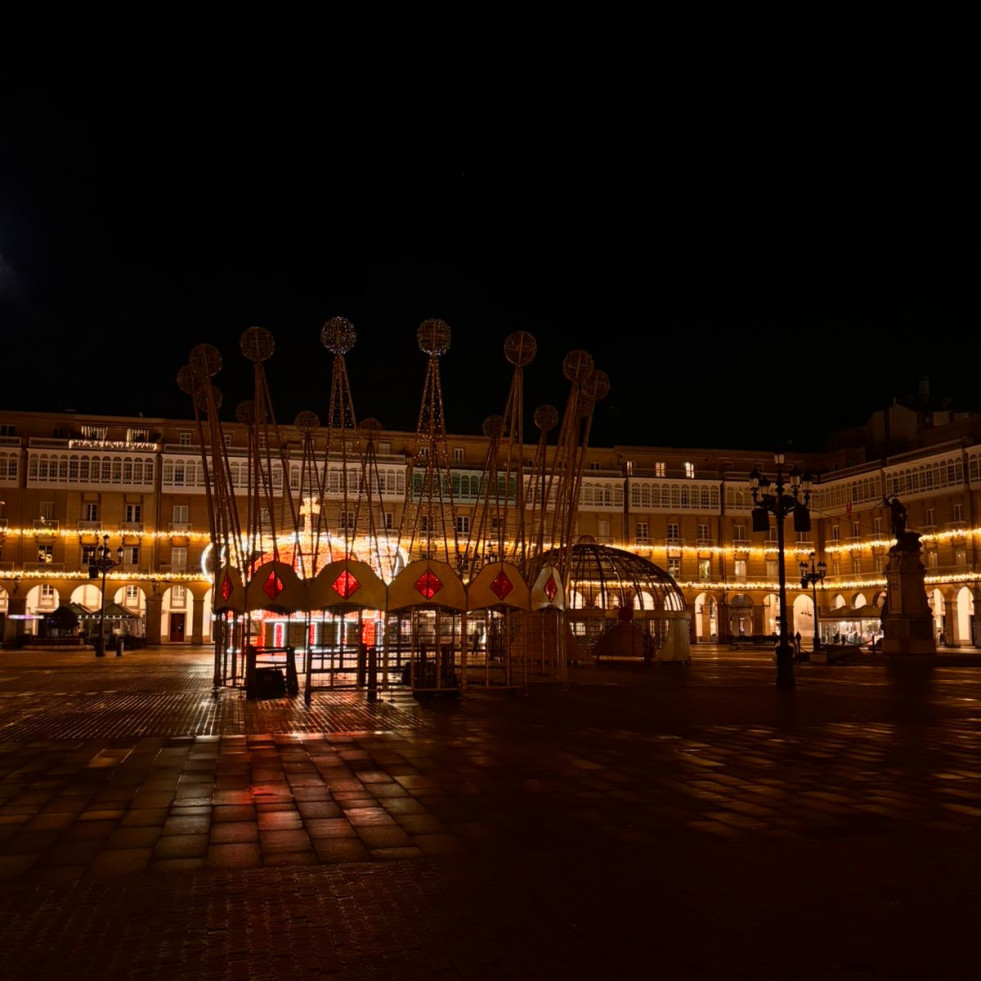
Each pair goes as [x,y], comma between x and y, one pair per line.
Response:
[70,483]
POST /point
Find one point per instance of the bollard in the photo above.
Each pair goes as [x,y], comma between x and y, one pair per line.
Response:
[119,647]
[372,674]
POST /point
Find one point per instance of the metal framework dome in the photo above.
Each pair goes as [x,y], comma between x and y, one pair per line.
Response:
[607,578]
[615,598]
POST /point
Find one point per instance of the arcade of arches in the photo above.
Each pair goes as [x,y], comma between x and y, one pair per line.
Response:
[848,617]
[154,613]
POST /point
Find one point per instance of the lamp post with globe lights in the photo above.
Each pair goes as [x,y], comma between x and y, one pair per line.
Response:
[811,575]
[788,494]
[100,563]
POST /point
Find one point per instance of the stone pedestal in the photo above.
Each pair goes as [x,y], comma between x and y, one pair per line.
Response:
[907,622]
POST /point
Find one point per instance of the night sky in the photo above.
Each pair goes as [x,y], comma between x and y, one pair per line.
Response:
[752,257]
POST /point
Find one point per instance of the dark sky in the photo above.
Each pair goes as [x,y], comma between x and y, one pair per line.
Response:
[751,256]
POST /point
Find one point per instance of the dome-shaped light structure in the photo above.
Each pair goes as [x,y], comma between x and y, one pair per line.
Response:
[620,605]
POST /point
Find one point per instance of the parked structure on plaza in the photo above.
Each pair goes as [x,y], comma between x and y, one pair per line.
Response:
[194,504]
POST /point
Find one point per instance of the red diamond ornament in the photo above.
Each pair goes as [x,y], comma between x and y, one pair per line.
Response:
[273,585]
[345,585]
[226,587]
[550,588]
[501,585]
[428,584]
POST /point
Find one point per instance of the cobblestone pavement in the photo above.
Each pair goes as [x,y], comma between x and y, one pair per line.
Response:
[675,821]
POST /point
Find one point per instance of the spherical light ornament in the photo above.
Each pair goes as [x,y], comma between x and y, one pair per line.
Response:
[257,344]
[307,422]
[433,337]
[190,378]
[493,427]
[201,397]
[245,412]
[206,358]
[338,335]
[546,417]
[596,384]
[575,364]
[520,348]
[370,427]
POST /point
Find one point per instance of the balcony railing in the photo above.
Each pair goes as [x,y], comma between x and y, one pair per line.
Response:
[179,527]
[49,525]
[86,525]
[130,527]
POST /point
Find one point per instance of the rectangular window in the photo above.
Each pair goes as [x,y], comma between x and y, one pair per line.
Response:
[739,533]
[958,512]
[132,595]
[739,568]
[90,511]
[178,559]
[88,554]
[856,563]
[643,532]
[347,520]
[930,517]
[690,470]
[931,559]
[660,469]
[45,553]
[458,454]
[703,533]
[463,524]
[184,439]
[47,510]
[856,529]
[960,557]
[877,526]
[389,521]
[674,566]
[772,572]
[178,596]
[180,514]
[704,568]
[674,531]
[134,513]
[131,554]
[603,528]
[835,533]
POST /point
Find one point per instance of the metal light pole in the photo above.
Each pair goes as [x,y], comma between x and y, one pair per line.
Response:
[102,562]
[813,575]
[779,503]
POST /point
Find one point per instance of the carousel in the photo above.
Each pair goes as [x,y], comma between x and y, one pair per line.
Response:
[315,590]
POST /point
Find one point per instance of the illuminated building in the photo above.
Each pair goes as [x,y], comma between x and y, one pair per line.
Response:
[68,479]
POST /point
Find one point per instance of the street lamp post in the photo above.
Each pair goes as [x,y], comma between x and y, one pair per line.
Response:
[812,575]
[778,502]
[101,563]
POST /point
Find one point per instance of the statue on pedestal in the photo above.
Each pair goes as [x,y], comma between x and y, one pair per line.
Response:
[906,541]
[906,617]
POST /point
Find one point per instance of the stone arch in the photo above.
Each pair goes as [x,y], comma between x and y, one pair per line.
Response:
[177,608]
[706,619]
[965,605]
[741,616]
[937,602]
[802,619]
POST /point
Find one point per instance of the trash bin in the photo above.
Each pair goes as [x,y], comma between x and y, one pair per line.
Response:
[119,647]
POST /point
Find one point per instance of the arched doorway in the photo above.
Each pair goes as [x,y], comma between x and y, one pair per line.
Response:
[741,616]
[706,619]
[177,615]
